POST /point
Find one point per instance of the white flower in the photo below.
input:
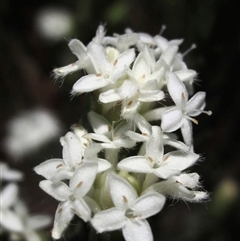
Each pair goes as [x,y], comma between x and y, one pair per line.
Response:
[54,23]
[30,223]
[71,197]
[121,42]
[130,211]
[8,174]
[106,71]
[8,218]
[180,187]
[146,131]
[30,130]
[59,169]
[141,86]
[163,166]
[181,115]
[110,137]
[15,218]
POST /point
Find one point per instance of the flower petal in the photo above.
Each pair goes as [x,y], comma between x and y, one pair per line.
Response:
[72,149]
[169,54]
[186,130]
[81,209]
[38,221]
[126,58]
[50,168]
[154,147]
[137,164]
[99,58]
[59,190]
[103,165]
[9,195]
[141,66]
[150,95]
[63,216]
[196,104]
[186,74]
[89,83]
[83,178]
[177,90]
[109,220]
[122,193]
[99,124]
[11,221]
[77,48]
[109,96]
[137,230]
[174,162]
[172,120]
[148,205]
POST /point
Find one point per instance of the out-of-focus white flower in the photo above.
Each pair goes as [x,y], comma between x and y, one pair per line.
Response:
[30,223]
[9,220]
[8,174]
[54,23]
[30,130]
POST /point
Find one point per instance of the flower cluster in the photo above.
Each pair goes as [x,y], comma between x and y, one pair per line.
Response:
[15,218]
[137,80]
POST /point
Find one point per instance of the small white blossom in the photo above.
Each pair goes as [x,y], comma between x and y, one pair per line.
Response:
[110,137]
[181,187]
[130,211]
[59,169]
[163,166]
[71,197]
[106,71]
[181,115]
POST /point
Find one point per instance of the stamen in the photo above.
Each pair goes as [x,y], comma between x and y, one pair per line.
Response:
[194,121]
[79,184]
[150,159]
[99,74]
[59,165]
[162,29]
[115,62]
[166,157]
[193,46]
[125,199]
[183,96]
[129,103]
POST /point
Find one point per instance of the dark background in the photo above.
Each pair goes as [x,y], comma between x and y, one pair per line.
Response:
[27,60]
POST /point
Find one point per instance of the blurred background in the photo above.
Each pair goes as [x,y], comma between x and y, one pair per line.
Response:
[36,110]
